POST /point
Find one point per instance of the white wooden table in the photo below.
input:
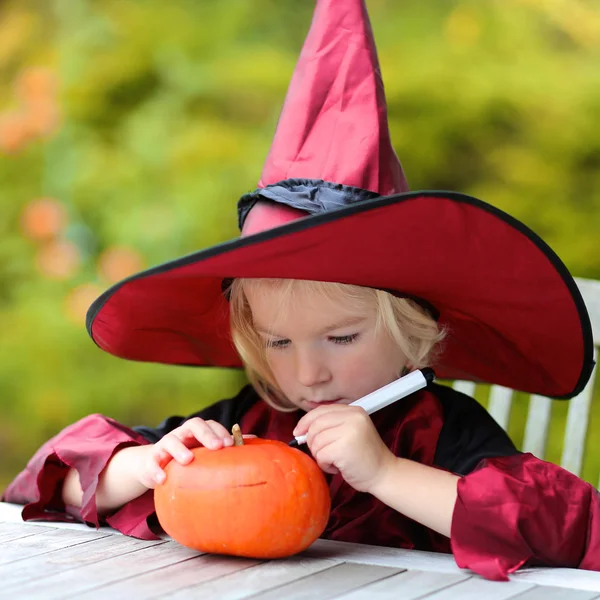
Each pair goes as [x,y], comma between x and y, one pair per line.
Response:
[59,560]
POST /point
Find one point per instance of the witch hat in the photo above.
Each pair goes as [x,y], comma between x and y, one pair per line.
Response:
[333,205]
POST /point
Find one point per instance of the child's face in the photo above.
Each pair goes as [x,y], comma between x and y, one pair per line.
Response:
[322,351]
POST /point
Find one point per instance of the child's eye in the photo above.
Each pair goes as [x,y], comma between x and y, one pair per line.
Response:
[344,339]
[277,343]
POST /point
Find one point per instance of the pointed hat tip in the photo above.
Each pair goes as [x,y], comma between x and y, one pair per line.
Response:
[333,125]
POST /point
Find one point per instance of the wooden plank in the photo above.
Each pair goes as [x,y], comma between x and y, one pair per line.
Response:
[384,556]
[466,387]
[577,426]
[41,543]
[573,579]
[536,427]
[14,531]
[500,404]
[172,578]
[11,513]
[257,579]
[73,557]
[476,588]
[98,574]
[444,563]
[330,583]
[590,290]
[407,585]
[106,571]
[544,592]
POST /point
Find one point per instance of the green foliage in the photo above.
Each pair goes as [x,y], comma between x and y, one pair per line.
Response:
[167,110]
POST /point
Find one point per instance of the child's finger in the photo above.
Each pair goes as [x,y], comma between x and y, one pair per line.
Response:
[158,460]
[203,433]
[152,473]
[174,448]
[219,430]
[326,458]
[159,476]
[310,417]
[152,478]
[324,421]
[329,469]
[317,440]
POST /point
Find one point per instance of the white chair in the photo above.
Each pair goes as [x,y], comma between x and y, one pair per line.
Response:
[538,420]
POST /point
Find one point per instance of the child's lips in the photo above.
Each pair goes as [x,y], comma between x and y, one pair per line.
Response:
[324,402]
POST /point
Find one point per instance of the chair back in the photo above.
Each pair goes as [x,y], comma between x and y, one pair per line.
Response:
[540,409]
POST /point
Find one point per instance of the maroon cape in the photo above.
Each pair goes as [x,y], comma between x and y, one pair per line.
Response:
[512,509]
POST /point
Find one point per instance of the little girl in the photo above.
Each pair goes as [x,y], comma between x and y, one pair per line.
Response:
[341,282]
[310,349]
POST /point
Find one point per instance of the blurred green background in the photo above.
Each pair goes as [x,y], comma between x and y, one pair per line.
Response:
[129,128]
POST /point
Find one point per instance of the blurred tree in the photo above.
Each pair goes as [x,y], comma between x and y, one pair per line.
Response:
[129,128]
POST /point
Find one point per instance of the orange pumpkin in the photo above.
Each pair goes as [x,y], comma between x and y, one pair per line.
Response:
[262,499]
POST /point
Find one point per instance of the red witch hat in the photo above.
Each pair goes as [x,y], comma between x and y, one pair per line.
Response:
[333,205]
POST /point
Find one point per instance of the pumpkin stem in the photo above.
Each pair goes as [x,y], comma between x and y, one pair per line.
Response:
[238,439]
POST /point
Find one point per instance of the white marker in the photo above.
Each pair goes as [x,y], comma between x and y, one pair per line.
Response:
[387,394]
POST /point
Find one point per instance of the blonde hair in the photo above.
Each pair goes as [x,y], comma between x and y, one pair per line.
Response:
[415,332]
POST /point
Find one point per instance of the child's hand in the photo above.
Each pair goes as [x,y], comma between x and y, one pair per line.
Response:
[343,439]
[176,445]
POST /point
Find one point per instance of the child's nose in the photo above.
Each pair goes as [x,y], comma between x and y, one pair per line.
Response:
[311,369]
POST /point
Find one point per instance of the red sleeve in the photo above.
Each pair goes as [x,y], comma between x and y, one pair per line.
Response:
[87,446]
[519,509]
